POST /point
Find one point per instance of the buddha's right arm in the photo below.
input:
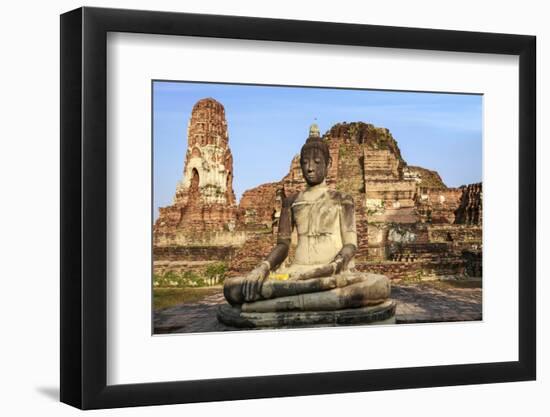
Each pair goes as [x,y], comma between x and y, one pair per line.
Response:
[280,251]
[278,254]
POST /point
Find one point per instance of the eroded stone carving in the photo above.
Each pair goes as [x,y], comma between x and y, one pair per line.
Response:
[321,276]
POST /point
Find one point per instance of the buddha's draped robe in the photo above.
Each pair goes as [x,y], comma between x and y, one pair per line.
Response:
[324,220]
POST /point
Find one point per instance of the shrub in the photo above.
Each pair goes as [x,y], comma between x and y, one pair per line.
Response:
[191,279]
[216,272]
[174,279]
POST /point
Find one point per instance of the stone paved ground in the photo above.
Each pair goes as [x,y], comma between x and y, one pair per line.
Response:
[425,302]
[437,301]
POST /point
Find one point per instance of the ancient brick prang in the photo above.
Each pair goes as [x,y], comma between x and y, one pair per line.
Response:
[208,173]
[204,210]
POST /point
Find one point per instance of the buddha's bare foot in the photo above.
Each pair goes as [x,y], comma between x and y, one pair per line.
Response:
[319,272]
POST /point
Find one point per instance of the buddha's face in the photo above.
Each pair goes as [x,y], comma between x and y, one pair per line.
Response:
[314,166]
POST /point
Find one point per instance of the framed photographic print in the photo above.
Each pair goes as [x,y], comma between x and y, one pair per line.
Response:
[314,207]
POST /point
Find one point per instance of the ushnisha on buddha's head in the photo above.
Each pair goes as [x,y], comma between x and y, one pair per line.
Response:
[314,158]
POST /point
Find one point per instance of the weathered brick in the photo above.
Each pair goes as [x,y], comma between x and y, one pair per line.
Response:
[409,222]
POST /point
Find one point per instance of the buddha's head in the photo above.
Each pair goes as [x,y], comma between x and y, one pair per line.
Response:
[314,157]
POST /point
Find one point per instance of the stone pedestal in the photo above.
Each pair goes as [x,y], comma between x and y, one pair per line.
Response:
[383,313]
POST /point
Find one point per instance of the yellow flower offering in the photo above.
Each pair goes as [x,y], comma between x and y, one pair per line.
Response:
[279,277]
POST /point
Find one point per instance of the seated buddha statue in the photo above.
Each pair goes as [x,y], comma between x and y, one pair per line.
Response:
[321,276]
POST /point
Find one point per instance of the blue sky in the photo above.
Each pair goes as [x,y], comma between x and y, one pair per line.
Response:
[268,124]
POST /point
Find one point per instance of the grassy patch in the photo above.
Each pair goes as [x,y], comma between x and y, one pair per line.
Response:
[169,297]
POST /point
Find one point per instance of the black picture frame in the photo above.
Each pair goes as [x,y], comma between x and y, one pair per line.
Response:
[84,207]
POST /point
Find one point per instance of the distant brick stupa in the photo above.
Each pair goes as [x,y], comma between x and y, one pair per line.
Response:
[204,200]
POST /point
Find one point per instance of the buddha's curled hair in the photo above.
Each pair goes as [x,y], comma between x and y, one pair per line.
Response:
[315,142]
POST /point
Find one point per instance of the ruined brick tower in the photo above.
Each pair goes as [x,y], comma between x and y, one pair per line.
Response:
[204,203]
[208,172]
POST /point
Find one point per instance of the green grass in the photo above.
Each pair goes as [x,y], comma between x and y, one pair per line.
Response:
[169,297]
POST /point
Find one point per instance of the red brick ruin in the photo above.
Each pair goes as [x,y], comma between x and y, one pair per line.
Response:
[409,223]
